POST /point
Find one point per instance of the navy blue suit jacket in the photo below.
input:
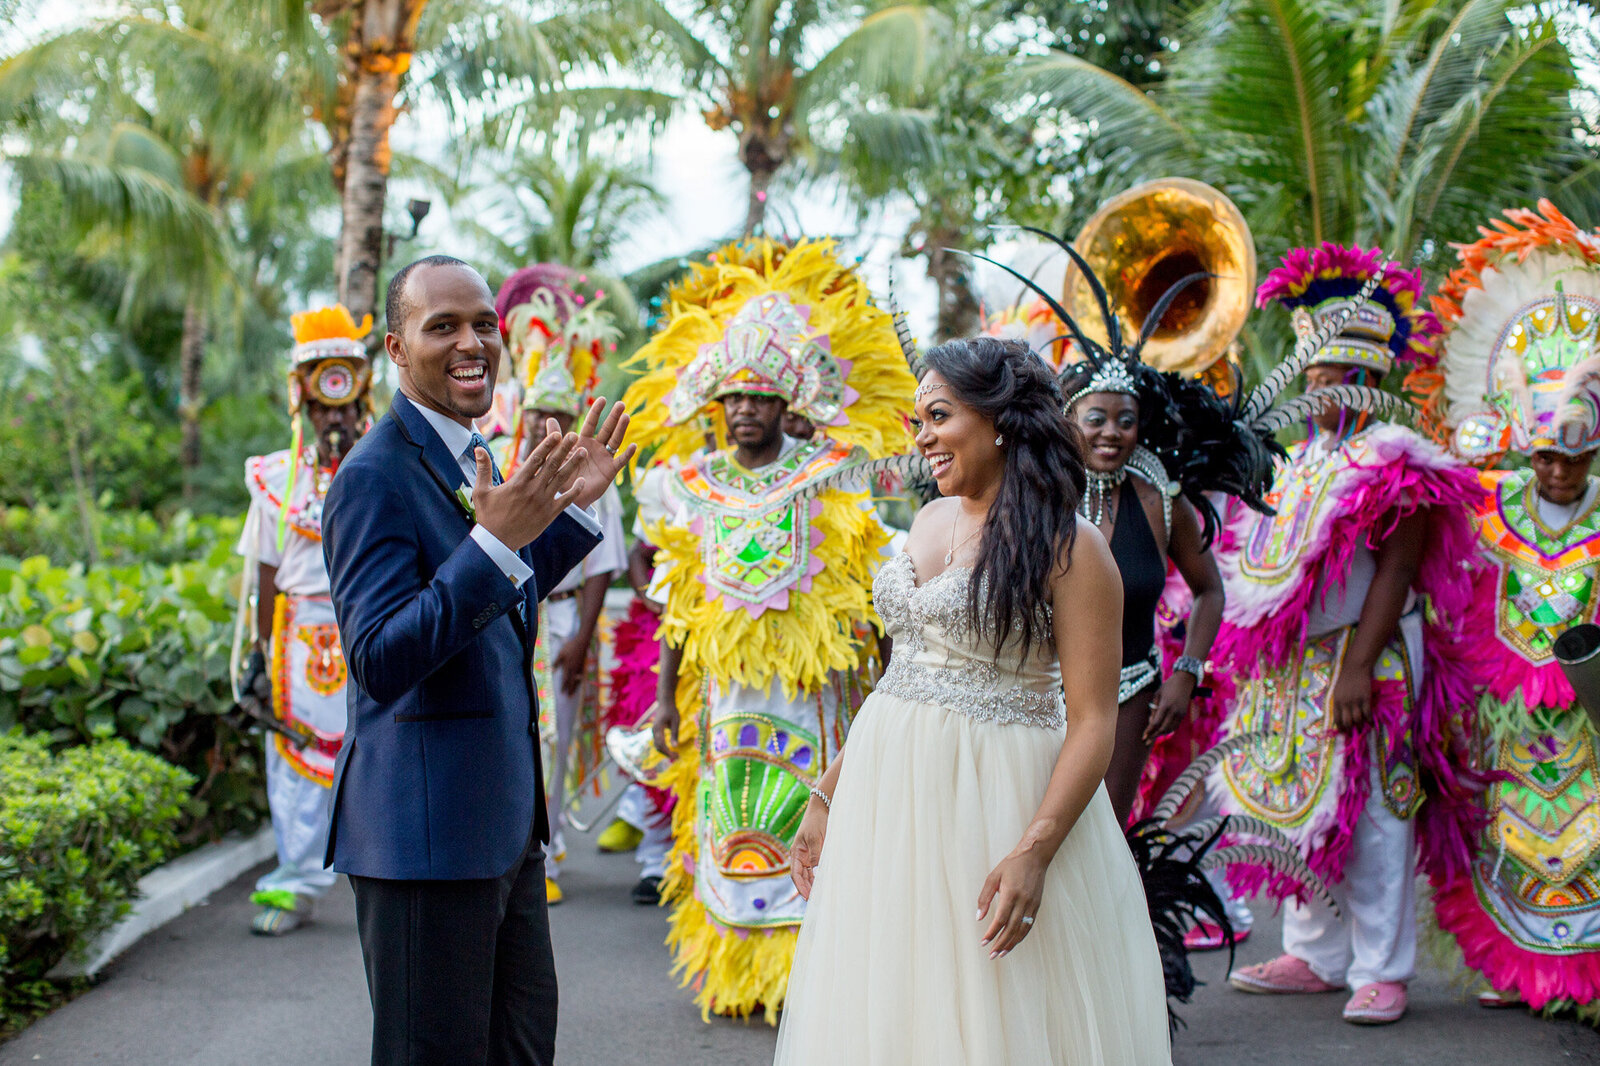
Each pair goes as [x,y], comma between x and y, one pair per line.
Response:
[439,777]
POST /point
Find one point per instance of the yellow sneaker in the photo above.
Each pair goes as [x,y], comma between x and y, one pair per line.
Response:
[619,836]
[552,892]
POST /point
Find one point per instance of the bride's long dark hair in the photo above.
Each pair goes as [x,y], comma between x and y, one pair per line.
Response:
[1034,517]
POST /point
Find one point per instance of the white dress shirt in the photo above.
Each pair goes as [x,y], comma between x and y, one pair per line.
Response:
[457,438]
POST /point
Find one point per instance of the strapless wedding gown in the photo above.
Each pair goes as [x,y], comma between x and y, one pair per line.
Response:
[946,765]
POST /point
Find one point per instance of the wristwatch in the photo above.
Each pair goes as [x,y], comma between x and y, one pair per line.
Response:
[1190,665]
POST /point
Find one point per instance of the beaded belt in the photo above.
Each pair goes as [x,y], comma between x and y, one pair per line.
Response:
[1135,677]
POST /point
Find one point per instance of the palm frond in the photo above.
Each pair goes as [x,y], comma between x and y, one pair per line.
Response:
[1123,115]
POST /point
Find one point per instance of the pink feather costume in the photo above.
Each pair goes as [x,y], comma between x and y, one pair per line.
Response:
[1306,779]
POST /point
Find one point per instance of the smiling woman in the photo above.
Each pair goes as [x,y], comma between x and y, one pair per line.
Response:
[963,783]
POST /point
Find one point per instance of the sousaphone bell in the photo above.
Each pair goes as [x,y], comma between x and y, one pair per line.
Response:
[1142,242]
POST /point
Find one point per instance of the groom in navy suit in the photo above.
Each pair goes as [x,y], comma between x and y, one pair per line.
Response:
[438,808]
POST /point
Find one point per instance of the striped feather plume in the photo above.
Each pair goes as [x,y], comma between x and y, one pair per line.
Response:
[1287,863]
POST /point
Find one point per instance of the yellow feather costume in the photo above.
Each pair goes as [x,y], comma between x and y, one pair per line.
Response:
[767,589]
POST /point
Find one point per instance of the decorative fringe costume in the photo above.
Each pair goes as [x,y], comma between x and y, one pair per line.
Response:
[1297,581]
[557,332]
[305,657]
[1520,374]
[766,578]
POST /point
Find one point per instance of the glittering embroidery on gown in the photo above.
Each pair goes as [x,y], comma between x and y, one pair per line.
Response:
[946,765]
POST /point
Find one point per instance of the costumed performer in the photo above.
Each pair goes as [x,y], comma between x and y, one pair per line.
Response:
[768,632]
[556,338]
[644,815]
[297,643]
[1521,375]
[1344,624]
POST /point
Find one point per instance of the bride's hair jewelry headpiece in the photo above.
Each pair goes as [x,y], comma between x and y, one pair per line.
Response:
[925,388]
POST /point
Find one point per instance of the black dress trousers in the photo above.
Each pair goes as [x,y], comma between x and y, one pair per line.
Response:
[461,973]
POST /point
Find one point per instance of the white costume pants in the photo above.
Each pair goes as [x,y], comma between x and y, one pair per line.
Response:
[300,813]
[636,809]
[1374,938]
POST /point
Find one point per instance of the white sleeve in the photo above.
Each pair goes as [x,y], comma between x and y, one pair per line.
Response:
[611,555]
[584,516]
[509,562]
[262,522]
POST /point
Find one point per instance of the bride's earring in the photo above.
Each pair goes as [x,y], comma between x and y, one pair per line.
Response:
[1000,441]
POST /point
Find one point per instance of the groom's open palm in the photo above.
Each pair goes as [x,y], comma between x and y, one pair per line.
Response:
[599,456]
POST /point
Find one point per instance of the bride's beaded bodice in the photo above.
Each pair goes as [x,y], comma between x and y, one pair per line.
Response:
[940,658]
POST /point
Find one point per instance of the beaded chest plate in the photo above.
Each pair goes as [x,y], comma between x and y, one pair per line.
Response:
[1547,577]
[1300,493]
[755,530]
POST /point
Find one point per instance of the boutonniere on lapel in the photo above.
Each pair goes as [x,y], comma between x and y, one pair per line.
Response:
[464,498]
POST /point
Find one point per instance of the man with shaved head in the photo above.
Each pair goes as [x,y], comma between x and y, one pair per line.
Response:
[437,564]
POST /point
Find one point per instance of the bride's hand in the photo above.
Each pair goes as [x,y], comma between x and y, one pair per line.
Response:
[1010,899]
[806,851]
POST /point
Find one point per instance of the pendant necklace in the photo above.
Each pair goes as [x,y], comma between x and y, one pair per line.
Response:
[950,555]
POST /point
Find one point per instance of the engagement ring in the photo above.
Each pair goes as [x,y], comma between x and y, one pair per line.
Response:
[1028,920]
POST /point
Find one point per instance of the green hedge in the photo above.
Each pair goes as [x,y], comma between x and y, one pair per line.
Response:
[77,831]
[138,652]
[65,533]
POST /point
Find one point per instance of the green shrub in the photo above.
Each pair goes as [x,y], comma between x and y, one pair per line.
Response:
[121,538]
[77,831]
[138,652]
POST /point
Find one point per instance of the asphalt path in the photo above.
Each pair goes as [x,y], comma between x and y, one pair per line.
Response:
[204,992]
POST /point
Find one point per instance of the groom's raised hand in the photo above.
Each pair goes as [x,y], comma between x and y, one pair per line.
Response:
[601,451]
[525,504]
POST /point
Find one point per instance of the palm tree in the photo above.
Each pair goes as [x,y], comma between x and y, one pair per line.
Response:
[764,76]
[187,132]
[562,208]
[1401,124]
[363,63]
[963,154]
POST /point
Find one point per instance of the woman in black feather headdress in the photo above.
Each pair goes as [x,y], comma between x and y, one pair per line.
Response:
[1148,524]
[1185,444]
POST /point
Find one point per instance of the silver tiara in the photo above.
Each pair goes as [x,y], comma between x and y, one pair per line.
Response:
[1112,375]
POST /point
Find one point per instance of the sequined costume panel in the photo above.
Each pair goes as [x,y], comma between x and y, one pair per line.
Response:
[941,659]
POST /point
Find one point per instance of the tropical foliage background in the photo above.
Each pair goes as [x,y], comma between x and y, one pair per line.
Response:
[181,175]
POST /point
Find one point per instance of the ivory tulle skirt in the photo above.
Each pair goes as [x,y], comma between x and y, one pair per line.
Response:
[889,969]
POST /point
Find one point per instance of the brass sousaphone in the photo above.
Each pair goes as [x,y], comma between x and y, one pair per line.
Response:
[1152,236]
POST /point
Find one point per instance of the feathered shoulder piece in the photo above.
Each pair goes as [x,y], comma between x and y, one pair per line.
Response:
[1520,372]
[793,321]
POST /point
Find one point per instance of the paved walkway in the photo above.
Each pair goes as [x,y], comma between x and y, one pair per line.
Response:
[204,992]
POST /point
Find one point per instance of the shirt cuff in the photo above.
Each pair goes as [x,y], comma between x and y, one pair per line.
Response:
[509,562]
[585,517]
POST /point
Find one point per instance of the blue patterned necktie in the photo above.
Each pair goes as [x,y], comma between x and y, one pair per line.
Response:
[473,445]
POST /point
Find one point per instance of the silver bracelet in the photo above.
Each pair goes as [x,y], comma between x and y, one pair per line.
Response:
[827,801]
[1190,665]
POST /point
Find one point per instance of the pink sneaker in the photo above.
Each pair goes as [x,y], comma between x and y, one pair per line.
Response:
[1283,976]
[1379,1003]
[1207,936]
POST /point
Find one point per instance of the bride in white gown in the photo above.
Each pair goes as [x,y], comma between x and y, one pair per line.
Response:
[971,899]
